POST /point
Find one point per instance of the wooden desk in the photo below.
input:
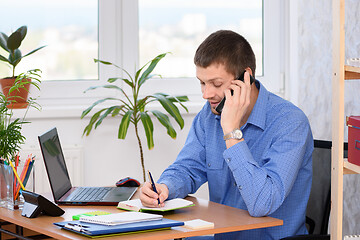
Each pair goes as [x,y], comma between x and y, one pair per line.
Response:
[226,219]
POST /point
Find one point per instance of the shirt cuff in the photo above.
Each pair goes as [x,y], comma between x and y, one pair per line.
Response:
[237,155]
[171,187]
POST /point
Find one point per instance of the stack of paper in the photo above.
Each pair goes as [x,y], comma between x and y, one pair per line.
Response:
[121,218]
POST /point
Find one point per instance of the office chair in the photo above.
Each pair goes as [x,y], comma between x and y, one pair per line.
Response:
[318,208]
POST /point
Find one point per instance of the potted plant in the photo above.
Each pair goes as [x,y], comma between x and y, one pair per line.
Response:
[133,109]
[11,45]
[11,139]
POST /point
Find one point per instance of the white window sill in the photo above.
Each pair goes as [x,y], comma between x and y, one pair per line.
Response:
[75,111]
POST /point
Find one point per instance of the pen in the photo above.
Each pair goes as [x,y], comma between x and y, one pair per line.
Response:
[153,185]
[17,176]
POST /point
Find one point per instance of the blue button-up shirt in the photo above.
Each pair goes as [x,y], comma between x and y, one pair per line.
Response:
[267,174]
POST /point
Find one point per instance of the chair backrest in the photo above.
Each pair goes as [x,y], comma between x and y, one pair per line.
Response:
[318,208]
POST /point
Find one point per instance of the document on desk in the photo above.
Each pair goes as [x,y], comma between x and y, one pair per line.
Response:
[173,204]
[97,230]
[121,218]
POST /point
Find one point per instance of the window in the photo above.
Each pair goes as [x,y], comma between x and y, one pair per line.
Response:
[68,28]
[188,23]
[120,30]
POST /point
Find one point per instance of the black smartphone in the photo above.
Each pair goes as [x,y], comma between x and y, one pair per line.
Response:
[220,106]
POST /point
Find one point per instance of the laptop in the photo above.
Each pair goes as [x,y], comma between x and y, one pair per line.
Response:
[63,192]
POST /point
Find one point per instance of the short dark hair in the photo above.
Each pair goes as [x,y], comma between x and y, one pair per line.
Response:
[228,48]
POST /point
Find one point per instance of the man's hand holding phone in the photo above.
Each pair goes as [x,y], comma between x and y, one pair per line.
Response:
[236,104]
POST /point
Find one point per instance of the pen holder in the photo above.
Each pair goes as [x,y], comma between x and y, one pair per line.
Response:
[10,196]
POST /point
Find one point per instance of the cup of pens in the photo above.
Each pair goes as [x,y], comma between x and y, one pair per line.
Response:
[15,176]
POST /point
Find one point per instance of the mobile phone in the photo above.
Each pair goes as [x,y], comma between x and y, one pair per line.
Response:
[220,106]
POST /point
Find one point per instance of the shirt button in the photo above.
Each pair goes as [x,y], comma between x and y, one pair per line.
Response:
[209,164]
[228,160]
[240,187]
[235,184]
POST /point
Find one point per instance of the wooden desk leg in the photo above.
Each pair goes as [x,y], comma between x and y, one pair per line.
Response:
[19,230]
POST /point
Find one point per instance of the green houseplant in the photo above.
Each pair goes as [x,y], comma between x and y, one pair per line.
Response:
[11,44]
[133,108]
[11,136]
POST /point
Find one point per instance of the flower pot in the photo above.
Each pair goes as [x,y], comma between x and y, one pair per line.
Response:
[18,97]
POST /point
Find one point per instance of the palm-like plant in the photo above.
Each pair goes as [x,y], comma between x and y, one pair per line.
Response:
[133,109]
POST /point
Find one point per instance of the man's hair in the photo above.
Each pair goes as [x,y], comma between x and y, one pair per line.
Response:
[227,48]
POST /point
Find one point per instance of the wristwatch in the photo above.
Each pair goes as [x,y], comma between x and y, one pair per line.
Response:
[234,134]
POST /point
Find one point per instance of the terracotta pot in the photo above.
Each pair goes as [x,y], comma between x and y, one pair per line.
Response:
[20,97]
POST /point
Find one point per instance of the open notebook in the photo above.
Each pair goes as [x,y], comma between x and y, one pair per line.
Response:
[135,205]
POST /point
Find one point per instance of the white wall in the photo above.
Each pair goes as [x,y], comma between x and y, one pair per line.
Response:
[107,159]
[315,71]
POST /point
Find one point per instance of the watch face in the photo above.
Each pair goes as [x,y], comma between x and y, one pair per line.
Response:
[238,134]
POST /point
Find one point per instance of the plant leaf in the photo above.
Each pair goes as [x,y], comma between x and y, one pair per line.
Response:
[178,98]
[22,30]
[150,68]
[170,108]
[86,111]
[3,41]
[117,110]
[104,115]
[2,58]
[103,62]
[15,57]
[165,121]
[105,86]
[127,81]
[149,129]
[124,125]
[93,119]
[14,41]
[33,51]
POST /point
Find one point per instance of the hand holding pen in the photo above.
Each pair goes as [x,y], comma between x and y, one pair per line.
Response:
[153,186]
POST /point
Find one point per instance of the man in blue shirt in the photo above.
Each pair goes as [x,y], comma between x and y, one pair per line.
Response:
[256,155]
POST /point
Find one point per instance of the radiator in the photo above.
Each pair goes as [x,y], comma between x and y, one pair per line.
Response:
[352,237]
[74,159]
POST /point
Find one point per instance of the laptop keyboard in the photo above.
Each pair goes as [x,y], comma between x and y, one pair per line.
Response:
[89,194]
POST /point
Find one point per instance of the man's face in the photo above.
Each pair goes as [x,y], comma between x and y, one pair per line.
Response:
[214,80]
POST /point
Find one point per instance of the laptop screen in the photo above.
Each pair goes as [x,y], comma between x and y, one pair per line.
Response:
[55,163]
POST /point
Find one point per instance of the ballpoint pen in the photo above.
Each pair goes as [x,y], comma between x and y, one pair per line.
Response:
[153,185]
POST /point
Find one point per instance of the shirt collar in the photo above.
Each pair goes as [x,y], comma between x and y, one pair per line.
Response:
[258,113]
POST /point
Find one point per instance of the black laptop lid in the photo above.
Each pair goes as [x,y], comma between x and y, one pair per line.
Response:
[55,163]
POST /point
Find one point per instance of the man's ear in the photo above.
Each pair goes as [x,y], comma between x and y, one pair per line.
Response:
[250,71]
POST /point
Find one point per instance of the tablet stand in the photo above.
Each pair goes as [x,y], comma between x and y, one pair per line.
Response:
[36,204]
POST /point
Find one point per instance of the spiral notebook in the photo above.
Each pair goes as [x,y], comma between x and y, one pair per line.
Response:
[121,218]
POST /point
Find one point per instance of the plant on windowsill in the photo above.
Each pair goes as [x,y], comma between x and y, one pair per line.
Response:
[133,108]
[11,45]
[11,137]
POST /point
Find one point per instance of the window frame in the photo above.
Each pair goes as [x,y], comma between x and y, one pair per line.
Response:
[118,43]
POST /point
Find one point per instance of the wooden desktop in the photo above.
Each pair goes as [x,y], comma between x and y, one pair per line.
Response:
[225,218]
